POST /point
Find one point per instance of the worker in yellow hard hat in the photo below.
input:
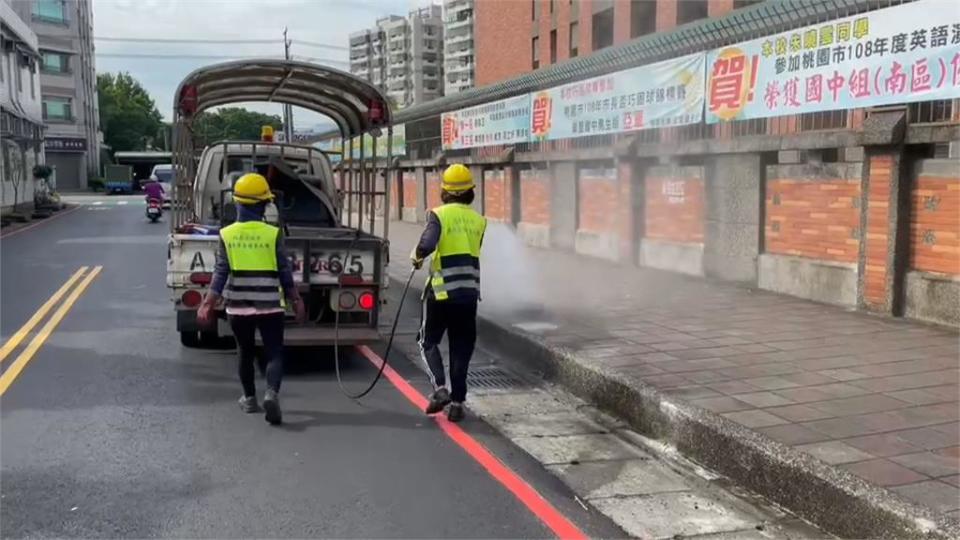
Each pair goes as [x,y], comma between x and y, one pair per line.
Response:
[253,275]
[453,236]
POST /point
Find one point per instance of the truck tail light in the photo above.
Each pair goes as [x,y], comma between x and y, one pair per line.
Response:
[366,301]
[347,300]
[191,298]
[201,278]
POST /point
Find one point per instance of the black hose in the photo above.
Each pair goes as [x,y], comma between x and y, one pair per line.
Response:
[393,330]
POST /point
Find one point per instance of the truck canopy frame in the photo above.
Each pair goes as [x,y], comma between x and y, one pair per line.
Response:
[355,105]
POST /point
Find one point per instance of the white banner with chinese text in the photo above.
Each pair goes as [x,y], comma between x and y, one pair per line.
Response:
[668,93]
[506,121]
[905,53]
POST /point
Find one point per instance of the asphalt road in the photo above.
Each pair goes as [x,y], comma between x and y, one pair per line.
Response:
[112,429]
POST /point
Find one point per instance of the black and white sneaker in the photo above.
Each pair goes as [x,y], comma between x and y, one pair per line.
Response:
[249,405]
[271,404]
[455,412]
[438,400]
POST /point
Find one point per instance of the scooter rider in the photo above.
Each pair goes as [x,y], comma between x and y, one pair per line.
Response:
[251,272]
[453,235]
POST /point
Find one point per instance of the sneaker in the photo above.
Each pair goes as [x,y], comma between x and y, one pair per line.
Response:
[271,404]
[248,404]
[438,400]
[455,412]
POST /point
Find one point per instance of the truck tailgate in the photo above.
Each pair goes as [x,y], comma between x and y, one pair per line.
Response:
[188,254]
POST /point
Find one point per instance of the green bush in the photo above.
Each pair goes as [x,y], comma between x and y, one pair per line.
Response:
[96,184]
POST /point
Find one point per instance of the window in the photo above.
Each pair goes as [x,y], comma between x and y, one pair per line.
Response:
[643,18]
[54,62]
[553,46]
[3,66]
[52,11]
[57,108]
[574,39]
[551,6]
[691,10]
[18,70]
[535,9]
[737,4]
[603,29]
[33,85]
[535,43]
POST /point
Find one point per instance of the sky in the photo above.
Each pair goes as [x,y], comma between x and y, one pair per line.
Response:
[327,22]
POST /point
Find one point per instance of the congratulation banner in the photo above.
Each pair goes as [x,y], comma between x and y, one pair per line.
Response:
[668,93]
[502,122]
[905,53]
[398,144]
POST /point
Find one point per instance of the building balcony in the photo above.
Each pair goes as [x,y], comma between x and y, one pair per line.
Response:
[457,24]
[457,43]
[460,52]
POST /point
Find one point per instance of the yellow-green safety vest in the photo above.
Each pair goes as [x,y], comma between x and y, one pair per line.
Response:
[252,252]
[455,265]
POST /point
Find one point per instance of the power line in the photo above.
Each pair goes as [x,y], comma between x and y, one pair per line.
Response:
[315,44]
[175,40]
[214,57]
[320,45]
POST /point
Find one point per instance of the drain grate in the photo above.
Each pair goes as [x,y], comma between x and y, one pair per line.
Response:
[492,378]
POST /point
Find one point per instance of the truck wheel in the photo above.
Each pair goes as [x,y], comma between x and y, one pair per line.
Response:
[190,339]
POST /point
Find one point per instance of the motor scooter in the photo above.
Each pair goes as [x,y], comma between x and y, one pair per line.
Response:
[154,210]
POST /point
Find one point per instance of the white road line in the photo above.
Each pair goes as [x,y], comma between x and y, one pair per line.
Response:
[121,202]
[97,203]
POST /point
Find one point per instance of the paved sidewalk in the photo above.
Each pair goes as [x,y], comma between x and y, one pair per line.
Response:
[875,396]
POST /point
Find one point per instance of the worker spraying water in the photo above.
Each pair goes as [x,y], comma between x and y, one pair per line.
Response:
[453,236]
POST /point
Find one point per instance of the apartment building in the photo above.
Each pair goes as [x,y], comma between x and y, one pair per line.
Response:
[515,37]
[403,56]
[21,122]
[458,49]
[68,86]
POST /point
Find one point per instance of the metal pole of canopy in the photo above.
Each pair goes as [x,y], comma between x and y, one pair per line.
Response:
[349,192]
[388,184]
[362,183]
[372,181]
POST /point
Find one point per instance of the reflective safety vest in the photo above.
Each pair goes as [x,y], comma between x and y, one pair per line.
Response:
[252,251]
[455,266]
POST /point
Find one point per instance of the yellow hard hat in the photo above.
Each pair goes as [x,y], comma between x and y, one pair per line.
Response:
[457,178]
[252,188]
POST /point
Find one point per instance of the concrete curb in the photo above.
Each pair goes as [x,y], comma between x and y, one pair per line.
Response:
[827,496]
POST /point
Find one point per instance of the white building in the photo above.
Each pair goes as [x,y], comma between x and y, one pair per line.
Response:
[458,47]
[402,56]
[68,86]
[21,119]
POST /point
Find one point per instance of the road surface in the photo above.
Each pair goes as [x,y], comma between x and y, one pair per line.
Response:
[110,428]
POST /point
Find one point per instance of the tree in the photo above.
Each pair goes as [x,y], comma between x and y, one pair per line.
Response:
[232,123]
[128,116]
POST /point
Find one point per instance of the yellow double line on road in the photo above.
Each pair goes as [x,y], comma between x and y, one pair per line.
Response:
[38,340]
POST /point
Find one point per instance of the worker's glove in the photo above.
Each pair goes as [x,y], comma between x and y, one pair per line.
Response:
[299,310]
[417,262]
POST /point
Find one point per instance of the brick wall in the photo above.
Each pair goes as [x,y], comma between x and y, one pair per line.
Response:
[598,196]
[817,218]
[535,196]
[409,189]
[935,224]
[495,193]
[433,188]
[501,33]
[674,207]
[877,233]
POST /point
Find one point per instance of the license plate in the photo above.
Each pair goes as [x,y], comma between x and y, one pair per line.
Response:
[326,267]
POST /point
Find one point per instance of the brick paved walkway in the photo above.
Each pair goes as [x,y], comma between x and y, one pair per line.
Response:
[875,396]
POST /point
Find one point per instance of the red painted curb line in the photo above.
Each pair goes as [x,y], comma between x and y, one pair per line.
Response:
[524,492]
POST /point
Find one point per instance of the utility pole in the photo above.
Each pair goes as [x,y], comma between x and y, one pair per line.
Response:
[287,109]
